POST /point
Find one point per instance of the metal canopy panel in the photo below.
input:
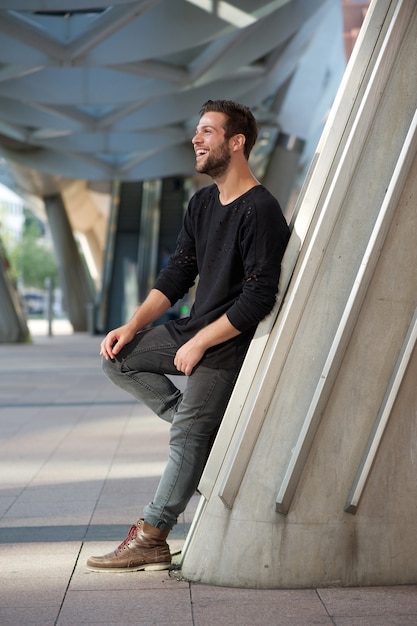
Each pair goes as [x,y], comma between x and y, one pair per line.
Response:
[106,90]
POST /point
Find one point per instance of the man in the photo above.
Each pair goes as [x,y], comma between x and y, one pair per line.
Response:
[233,239]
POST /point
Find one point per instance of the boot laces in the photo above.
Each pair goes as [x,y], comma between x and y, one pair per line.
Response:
[130,535]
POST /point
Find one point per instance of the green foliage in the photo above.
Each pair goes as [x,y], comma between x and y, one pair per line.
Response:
[31,259]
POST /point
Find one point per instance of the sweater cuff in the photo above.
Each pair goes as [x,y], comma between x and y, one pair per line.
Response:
[240,323]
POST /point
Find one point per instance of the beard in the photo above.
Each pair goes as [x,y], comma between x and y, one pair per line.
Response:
[216,163]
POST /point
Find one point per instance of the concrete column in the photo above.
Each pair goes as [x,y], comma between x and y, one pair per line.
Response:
[283,167]
[13,327]
[76,284]
[311,479]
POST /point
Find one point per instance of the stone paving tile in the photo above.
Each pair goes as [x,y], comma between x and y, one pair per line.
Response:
[32,615]
[371,606]
[387,619]
[257,606]
[33,581]
[141,607]
[63,535]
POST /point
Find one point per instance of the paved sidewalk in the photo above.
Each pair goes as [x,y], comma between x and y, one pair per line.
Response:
[78,461]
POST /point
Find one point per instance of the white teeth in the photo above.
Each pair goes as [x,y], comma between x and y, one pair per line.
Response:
[200,152]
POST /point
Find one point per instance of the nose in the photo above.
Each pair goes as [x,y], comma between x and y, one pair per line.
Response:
[196,138]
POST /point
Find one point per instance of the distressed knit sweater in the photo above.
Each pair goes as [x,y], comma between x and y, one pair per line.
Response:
[235,251]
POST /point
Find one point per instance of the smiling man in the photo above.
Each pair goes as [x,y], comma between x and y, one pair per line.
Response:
[233,238]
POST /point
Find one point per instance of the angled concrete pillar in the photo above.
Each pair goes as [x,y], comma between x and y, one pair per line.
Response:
[283,167]
[76,284]
[311,480]
[13,327]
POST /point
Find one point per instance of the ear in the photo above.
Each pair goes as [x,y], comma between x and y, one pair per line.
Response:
[237,142]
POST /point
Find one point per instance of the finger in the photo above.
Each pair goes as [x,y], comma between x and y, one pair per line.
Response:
[105,353]
[106,347]
[117,346]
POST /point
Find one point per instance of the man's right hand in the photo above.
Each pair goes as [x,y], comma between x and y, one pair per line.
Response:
[115,340]
[154,306]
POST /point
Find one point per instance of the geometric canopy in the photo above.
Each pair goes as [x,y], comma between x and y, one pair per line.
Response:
[102,90]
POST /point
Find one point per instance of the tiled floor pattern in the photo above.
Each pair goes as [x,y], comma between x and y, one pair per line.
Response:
[78,460]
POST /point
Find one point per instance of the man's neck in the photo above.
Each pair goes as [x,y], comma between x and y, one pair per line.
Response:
[234,184]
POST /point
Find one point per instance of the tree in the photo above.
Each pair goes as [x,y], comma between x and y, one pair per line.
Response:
[32,260]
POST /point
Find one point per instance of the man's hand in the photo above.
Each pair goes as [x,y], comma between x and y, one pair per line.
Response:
[191,353]
[188,356]
[154,306]
[115,340]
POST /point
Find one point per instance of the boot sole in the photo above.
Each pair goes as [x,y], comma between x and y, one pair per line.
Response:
[146,567]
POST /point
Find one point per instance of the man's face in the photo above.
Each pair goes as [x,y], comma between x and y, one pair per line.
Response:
[212,151]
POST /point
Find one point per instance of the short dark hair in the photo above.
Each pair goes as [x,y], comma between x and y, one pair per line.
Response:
[240,119]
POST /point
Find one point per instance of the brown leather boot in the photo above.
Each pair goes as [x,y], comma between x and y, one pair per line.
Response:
[145,548]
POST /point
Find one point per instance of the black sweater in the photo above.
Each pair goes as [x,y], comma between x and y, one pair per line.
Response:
[236,252]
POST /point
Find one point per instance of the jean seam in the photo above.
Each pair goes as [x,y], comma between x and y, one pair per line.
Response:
[145,349]
[186,435]
[145,386]
[125,369]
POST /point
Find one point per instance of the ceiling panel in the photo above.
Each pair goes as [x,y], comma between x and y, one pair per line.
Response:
[104,90]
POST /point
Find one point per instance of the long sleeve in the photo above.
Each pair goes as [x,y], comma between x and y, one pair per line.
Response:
[264,236]
[181,271]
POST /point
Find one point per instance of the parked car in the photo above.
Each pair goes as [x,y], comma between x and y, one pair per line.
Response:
[34,303]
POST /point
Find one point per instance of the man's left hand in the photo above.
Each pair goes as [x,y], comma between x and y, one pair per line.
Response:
[188,356]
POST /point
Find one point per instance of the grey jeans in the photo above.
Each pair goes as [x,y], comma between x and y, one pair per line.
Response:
[141,369]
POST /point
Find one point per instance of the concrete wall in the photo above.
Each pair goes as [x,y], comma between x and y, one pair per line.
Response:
[311,481]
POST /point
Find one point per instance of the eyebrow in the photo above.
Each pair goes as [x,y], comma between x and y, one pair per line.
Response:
[208,126]
[204,126]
